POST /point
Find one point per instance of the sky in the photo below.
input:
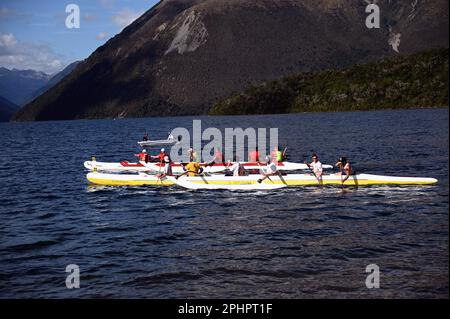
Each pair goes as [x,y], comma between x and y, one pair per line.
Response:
[34,35]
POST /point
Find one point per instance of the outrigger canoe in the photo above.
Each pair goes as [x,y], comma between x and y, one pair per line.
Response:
[222,181]
[125,166]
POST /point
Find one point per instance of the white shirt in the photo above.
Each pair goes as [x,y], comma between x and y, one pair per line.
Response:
[317,167]
[271,168]
[235,169]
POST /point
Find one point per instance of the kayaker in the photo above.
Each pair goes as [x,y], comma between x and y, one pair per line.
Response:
[271,169]
[253,156]
[142,155]
[192,169]
[345,168]
[145,138]
[316,167]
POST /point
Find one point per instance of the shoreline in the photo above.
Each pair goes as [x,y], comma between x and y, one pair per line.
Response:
[238,115]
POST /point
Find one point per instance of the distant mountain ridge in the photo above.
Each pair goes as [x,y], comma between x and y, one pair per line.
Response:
[181,57]
[7,108]
[23,86]
[18,85]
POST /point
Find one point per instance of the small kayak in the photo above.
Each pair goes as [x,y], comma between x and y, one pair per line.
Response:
[220,180]
[177,168]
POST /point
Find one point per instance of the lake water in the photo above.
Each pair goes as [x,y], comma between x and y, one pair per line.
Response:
[171,243]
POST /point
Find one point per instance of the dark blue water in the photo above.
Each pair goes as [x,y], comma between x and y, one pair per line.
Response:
[168,242]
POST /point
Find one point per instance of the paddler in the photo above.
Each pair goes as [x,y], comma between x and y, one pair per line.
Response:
[277,154]
[237,169]
[345,168]
[316,167]
[193,156]
[142,155]
[218,158]
[160,156]
[271,169]
[253,156]
[192,169]
[167,168]
[145,138]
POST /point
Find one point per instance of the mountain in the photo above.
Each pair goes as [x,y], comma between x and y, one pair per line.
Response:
[415,81]
[54,80]
[7,108]
[182,56]
[19,85]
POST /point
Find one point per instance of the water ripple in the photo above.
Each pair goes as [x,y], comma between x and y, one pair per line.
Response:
[170,243]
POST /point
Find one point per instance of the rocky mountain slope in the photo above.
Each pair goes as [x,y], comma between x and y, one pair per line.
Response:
[182,56]
[416,81]
[55,79]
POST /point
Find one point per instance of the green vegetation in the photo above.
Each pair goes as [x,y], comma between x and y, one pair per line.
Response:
[415,81]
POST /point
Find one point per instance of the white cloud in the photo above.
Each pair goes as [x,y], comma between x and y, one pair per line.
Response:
[125,17]
[24,55]
[7,40]
[101,36]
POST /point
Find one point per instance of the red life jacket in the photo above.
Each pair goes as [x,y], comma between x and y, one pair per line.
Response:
[161,156]
[142,156]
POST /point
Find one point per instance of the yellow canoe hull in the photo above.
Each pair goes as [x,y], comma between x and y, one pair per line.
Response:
[98,179]
[288,180]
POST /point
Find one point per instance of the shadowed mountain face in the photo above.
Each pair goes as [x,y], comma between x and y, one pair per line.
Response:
[182,56]
[54,80]
[7,108]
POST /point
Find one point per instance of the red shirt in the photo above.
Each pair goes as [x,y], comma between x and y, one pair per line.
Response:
[253,156]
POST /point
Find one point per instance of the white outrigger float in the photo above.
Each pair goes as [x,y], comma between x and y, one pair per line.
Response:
[250,182]
[177,168]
